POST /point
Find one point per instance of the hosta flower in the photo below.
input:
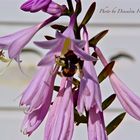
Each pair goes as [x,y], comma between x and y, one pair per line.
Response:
[129,100]
[60,121]
[37,97]
[35,5]
[89,98]
[89,92]
[47,6]
[15,42]
[96,126]
[62,44]
[39,83]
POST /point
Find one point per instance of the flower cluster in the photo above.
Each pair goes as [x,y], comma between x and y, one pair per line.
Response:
[68,55]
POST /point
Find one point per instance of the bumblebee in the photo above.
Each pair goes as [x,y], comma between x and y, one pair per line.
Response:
[70,63]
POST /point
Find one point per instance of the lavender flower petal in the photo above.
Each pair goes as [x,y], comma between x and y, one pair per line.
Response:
[41,76]
[33,119]
[96,126]
[48,44]
[38,101]
[129,100]
[58,126]
[15,42]
[89,92]
[57,45]
[69,32]
[38,90]
[34,5]
[82,54]
[54,9]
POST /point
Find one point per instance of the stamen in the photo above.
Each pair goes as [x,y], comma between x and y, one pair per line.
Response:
[66,48]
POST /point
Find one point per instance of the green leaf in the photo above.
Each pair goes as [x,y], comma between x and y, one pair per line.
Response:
[108,101]
[70,5]
[88,15]
[78,8]
[59,27]
[115,123]
[106,71]
[94,54]
[79,119]
[93,41]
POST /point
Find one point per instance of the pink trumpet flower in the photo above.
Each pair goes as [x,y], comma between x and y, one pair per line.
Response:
[129,100]
[15,42]
[60,121]
[89,92]
[35,5]
[62,44]
[37,97]
[47,6]
[89,98]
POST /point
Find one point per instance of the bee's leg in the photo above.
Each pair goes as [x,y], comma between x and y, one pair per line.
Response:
[60,61]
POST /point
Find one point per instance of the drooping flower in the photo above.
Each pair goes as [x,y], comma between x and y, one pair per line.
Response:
[89,98]
[35,5]
[89,91]
[47,6]
[60,121]
[129,100]
[15,42]
[35,90]
[37,97]
[96,126]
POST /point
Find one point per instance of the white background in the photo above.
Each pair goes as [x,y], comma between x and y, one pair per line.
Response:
[123,36]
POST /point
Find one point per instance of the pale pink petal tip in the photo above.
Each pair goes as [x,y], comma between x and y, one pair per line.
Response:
[129,100]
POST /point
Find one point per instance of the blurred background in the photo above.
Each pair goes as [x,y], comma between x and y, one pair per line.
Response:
[121,18]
